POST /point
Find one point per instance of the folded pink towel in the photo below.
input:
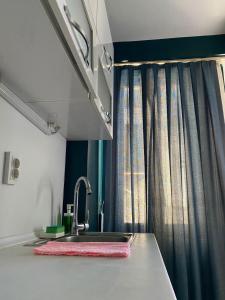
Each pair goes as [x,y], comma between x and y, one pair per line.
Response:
[84,249]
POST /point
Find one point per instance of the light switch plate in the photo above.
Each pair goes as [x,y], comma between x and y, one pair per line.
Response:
[11,169]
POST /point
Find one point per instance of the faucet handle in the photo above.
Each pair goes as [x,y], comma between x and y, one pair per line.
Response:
[86,227]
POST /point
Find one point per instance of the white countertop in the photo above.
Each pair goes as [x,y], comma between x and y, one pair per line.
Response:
[25,276]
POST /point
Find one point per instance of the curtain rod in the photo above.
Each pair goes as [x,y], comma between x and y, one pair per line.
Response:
[220,59]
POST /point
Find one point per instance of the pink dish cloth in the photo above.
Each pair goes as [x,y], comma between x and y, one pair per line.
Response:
[84,249]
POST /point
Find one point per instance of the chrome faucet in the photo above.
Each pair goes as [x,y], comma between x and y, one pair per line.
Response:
[76,227]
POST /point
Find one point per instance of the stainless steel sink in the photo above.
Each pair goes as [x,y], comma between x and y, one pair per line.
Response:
[98,237]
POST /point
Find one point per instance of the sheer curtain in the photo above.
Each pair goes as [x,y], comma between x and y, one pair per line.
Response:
[130,180]
[165,170]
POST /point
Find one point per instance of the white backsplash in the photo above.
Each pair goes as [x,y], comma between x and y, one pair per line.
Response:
[28,204]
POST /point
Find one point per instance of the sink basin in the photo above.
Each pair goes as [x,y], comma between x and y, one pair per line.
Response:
[98,237]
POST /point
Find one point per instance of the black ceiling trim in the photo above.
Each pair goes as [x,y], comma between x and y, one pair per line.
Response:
[167,49]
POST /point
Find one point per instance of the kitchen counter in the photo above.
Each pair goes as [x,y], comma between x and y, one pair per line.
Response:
[25,276]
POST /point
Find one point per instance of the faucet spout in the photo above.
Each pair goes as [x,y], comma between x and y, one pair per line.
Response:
[76,227]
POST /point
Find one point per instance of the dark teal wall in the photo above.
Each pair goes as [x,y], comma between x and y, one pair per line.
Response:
[92,174]
[167,49]
[76,166]
[82,160]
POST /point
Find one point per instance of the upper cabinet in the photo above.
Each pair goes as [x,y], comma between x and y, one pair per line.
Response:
[57,57]
[106,51]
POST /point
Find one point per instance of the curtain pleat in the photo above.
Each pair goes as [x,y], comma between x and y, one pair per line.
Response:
[130,210]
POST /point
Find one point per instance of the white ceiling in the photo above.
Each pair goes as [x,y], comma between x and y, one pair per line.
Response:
[132,20]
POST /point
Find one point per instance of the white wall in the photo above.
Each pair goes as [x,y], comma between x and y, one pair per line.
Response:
[160,19]
[27,204]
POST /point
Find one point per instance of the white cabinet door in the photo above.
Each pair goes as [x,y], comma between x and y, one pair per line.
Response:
[77,30]
[103,27]
[93,5]
[106,51]
[106,56]
[106,98]
[82,28]
[105,70]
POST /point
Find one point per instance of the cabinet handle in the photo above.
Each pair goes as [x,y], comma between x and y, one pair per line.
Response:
[107,115]
[78,28]
[108,58]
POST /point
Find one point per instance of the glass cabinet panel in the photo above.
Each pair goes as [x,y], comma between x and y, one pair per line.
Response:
[79,20]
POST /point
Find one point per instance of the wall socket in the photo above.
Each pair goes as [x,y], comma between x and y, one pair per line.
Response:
[11,169]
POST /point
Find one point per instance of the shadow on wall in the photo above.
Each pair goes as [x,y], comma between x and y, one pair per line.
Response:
[44,203]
